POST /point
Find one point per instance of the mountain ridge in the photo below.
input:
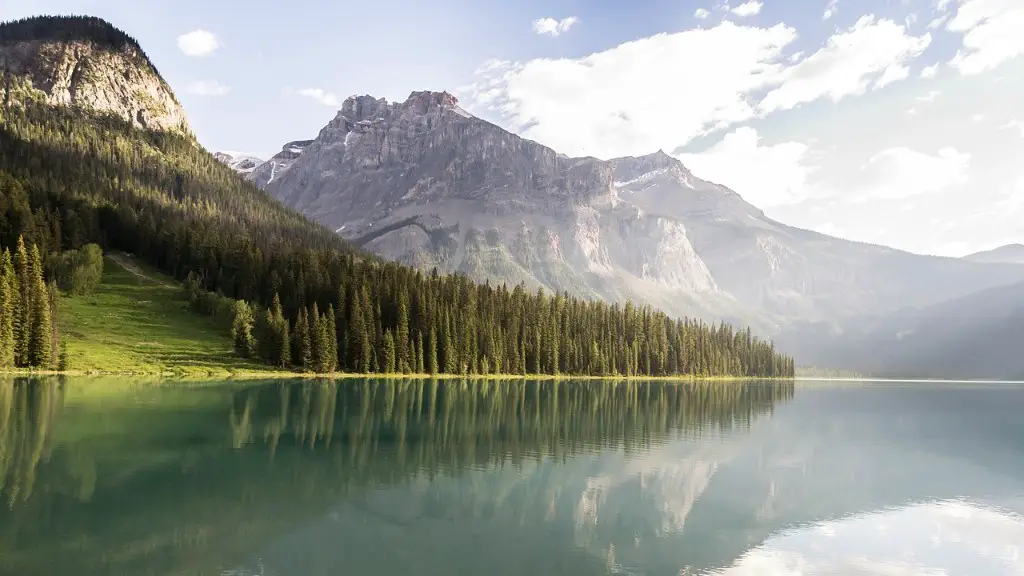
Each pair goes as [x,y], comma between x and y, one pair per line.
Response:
[428,184]
[1006,254]
[86,62]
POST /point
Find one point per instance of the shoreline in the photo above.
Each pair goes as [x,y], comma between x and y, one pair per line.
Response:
[199,376]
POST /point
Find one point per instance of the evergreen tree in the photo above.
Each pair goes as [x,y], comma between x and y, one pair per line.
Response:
[451,354]
[302,349]
[315,339]
[280,342]
[420,364]
[322,348]
[332,339]
[242,329]
[40,350]
[432,366]
[23,312]
[388,363]
[8,309]
[404,361]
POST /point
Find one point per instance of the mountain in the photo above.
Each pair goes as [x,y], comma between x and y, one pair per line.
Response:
[244,164]
[1009,254]
[265,172]
[78,172]
[977,336]
[427,184]
[86,63]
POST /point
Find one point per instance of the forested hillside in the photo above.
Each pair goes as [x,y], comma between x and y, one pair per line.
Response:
[69,176]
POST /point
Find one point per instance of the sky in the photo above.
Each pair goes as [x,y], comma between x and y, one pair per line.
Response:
[895,122]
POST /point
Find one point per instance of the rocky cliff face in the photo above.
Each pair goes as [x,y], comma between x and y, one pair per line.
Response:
[265,172]
[426,183]
[86,63]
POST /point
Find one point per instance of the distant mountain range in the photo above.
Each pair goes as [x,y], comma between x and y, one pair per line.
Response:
[1009,254]
[426,183]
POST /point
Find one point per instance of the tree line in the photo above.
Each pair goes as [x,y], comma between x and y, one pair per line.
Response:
[69,178]
[29,336]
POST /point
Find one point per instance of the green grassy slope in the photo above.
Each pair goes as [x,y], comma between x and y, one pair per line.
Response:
[139,321]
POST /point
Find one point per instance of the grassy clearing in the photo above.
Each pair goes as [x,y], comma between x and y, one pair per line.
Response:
[138,322]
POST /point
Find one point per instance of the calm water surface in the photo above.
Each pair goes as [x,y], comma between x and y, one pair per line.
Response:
[454,477]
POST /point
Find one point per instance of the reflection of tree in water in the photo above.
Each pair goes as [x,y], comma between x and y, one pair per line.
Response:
[186,486]
[401,427]
[28,410]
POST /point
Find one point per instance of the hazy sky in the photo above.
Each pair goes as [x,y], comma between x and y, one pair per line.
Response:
[899,122]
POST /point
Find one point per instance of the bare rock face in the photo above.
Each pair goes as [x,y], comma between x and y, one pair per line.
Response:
[426,183]
[85,63]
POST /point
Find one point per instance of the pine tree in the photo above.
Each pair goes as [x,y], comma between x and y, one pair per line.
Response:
[322,348]
[40,351]
[332,339]
[23,311]
[8,309]
[420,367]
[360,351]
[242,329]
[280,342]
[451,354]
[53,299]
[63,362]
[315,339]
[302,353]
[404,362]
[389,353]
[432,366]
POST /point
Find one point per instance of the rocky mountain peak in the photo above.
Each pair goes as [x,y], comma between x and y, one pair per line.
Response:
[422,102]
[363,107]
[632,167]
[86,63]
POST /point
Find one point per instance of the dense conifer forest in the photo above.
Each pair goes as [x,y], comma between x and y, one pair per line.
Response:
[28,312]
[299,295]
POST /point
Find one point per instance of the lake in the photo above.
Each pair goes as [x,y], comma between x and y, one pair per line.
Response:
[388,477]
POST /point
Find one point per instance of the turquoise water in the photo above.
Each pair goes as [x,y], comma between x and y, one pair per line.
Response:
[460,477]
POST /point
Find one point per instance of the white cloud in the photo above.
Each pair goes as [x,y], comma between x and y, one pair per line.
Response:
[770,175]
[1014,125]
[751,8]
[552,27]
[198,43]
[900,172]
[701,13]
[623,101]
[929,97]
[929,71]
[991,34]
[830,9]
[938,21]
[977,117]
[321,96]
[871,49]
[656,92]
[207,88]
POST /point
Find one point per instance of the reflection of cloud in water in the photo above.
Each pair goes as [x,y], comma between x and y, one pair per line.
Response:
[946,538]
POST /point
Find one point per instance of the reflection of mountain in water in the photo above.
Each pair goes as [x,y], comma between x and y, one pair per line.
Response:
[690,504]
[197,481]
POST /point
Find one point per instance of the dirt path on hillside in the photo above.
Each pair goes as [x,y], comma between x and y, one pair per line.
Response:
[125,261]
